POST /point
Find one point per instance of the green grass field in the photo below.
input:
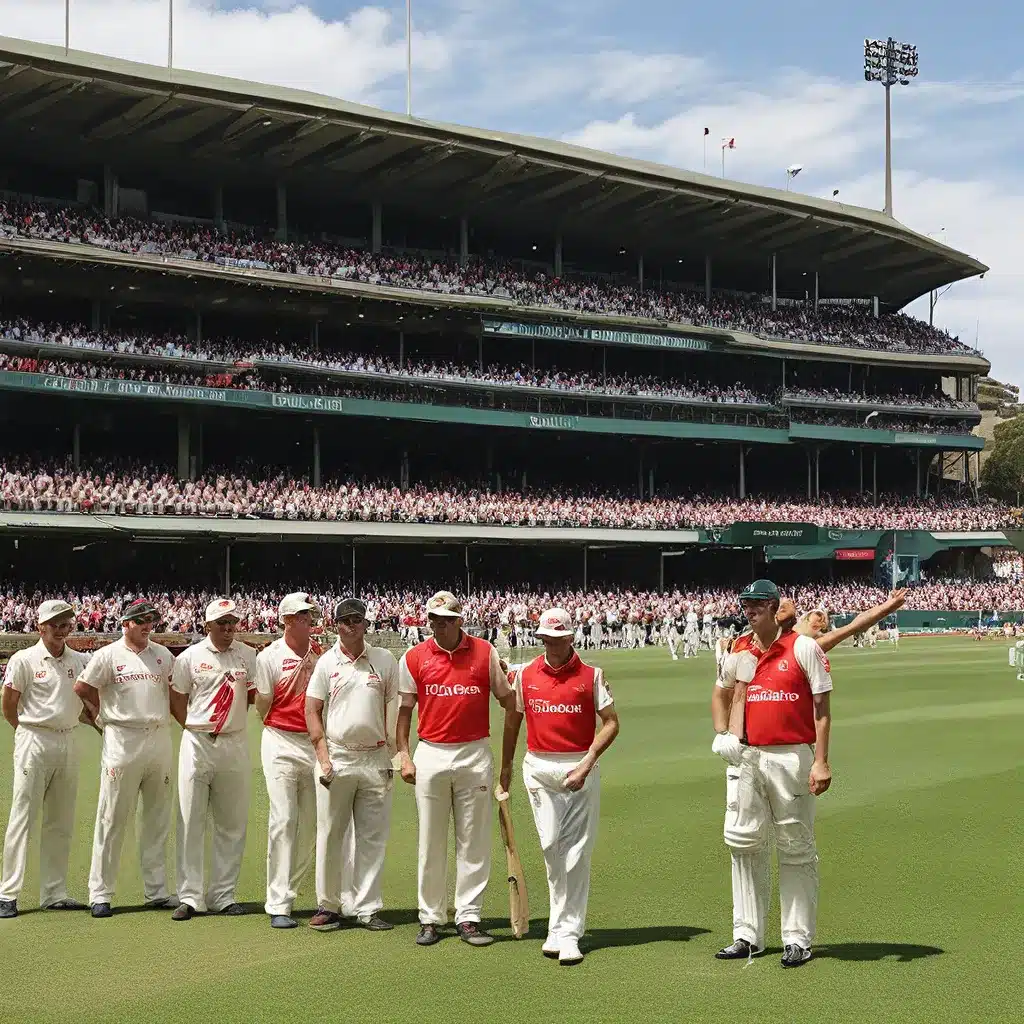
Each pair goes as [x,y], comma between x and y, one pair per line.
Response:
[921,911]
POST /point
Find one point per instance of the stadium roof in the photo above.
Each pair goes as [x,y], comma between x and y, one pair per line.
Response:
[89,108]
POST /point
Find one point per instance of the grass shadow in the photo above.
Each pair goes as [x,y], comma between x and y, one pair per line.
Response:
[609,938]
[903,952]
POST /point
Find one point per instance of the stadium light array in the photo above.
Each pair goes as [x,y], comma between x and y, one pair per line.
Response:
[890,63]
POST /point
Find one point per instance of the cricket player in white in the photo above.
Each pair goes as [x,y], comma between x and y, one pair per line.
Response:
[773,778]
[283,670]
[562,700]
[450,679]
[211,688]
[126,686]
[347,702]
[691,633]
[40,703]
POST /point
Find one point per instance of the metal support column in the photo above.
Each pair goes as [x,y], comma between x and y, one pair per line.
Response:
[775,284]
[377,235]
[650,482]
[604,366]
[809,491]
[917,471]
[558,254]
[282,212]
[401,348]
[661,573]
[76,446]
[467,572]
[354,591]
[199,325]
[707,278]
[227,570]
[783,374]
[874,305]
[743,472]
[584,566]
[815,291]
[861,488]
[463,241]
[316,456]
[817,473]
[184,431]
[480,353]
[110,191]
[640,271]
[314,334]
[218,207]
[874,475]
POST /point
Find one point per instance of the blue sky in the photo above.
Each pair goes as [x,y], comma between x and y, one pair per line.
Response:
[644,78]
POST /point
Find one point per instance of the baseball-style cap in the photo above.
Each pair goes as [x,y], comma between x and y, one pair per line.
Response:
[349,606]
[555,622]
[761,590]
[445,604]
[53,610]
[298,602]
[140,609]
[220,609]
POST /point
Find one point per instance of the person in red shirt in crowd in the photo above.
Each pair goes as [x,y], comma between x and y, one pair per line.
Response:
[775,775]
[562,699]
[450,679]
[283,669]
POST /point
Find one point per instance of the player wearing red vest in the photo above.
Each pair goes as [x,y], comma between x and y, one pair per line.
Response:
[450,678]
[562,699]
[775,776]
[283,669]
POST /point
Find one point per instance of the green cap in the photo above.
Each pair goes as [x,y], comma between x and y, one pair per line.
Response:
[761,590]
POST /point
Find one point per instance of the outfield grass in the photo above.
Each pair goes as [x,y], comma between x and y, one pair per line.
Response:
[921,909]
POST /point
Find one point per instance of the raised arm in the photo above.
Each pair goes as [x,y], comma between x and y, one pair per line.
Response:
[865,620]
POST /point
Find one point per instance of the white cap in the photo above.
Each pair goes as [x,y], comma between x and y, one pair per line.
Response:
[445,604]
[298,602]
[219,609]
[52,609]
[555,622]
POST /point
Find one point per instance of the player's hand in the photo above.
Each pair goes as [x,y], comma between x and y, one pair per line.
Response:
[820,778]
[897,598]
[408,770]
[505,778]
[577,777]
[728,747]
[326,774]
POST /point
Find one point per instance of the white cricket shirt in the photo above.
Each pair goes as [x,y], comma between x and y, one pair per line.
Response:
[217,684]
[356,694]
[47,686]
[132,687]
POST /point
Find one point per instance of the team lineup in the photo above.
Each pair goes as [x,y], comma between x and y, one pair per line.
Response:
[337,729]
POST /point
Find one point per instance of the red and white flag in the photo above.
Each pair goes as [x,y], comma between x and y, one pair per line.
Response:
[728,143]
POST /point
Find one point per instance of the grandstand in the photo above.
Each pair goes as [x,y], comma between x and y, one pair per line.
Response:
[253,337]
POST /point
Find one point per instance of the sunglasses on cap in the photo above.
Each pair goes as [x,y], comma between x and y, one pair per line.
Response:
[145,620]
[350,620]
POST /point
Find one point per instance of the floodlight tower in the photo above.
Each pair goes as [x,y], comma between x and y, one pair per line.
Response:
[890,63]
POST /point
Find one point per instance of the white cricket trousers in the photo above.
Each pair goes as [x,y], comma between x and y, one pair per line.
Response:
[453,780]
[353,821]
[674,639]
[567,827]
[134,763]
[288,763]
[45,778]
[769,791]
[213,782]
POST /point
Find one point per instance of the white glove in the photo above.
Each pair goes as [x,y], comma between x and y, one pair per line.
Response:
[728,747]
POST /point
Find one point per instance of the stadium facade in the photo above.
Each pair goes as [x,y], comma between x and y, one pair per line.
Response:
[141,202]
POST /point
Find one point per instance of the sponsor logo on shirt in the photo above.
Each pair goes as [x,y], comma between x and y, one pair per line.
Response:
[539,706]
[444,690]
[41,675]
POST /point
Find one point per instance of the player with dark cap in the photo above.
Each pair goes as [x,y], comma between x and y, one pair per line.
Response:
[126,686]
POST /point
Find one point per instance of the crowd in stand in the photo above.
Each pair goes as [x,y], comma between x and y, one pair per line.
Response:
[393,607]
[883,421]
[852,325]
[247,491]
[1007,563]
[239,372]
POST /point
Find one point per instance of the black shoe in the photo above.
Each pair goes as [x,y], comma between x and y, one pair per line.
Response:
[183,912]
[739,950]
[283,921]
[795,956]
[471,932]
[232,910]
[428,935]
[8,908]
[376,923]
[102,910]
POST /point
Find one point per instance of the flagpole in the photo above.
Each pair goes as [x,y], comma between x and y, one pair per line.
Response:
[408,58]
[67,26]
[705,153]
[723,159]
[170,33]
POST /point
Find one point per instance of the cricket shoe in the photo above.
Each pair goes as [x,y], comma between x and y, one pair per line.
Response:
[376,923]
[569,955]
[795,956]
[8,908]
[471,932]
[552,947]
[183,912]
[283,921]
[325,921]
[739,950]
[428,935]
[102,910]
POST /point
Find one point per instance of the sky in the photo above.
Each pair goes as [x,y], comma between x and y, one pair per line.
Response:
[644,79]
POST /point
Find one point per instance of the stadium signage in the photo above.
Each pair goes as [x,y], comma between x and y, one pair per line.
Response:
[138,389]
[306,403]
[606,336]
[756,534]
[555,422]
[855,554]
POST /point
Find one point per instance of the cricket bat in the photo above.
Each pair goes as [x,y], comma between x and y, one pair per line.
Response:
[518,902]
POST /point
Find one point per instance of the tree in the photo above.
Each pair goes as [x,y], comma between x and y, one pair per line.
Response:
[1002,476]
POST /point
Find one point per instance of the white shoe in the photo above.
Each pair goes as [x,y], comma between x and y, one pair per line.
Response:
[675,657]
[552,947]
[570,953]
